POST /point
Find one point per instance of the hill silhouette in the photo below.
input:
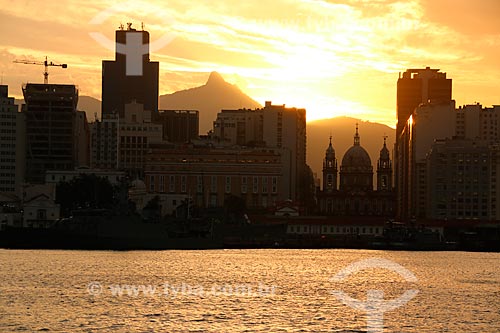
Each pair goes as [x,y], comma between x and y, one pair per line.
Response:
[209,99]
[342,130]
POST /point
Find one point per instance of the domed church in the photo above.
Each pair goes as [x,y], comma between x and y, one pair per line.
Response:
[354,195]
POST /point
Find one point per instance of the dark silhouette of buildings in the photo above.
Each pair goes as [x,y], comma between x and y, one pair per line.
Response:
[12,144]
[355,195]
[179,126]
[120,87]
[57,135]
[419,86]
[272,126]
[414,87]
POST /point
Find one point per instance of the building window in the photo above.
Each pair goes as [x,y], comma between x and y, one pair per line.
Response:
[264,185]
[171,184]
[199,184]
[275,185]
[213,200]
[255,184]
[183,184]
[162,184]
[228,184]
[151,183]
[213,184]
[243,184]
[41,214]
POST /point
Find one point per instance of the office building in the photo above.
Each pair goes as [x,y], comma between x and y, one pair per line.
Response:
[56,134]
[463,180]
[104,142]
[130,76]
[12,154]
[479,123]
[414,87]
[209,175]
[418,86]
[179,126]
[136,133]
[274,126]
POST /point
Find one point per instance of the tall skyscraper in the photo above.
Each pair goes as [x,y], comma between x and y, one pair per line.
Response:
[131,76]
[12,144]
[414,87]
[420,86]
[53,130]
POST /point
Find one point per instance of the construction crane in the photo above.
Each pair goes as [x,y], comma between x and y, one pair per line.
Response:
[45,63]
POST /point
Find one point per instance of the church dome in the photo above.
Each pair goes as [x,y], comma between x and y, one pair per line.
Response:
[356,156]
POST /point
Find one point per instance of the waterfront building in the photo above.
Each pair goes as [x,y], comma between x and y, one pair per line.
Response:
[414,87]
[12,147]
[208,176]
[57,136]
[274,126]
[462,181]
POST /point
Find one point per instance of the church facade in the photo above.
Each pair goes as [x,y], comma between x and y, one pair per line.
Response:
[353,194]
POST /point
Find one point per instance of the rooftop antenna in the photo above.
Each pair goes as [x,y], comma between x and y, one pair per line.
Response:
[142,26]
[121,26]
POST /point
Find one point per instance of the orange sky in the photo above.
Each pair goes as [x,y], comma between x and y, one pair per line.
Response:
[331,57]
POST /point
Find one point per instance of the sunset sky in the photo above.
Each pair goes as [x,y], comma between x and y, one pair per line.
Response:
[331,57]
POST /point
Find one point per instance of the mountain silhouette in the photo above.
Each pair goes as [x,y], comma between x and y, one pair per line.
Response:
[209,99]
[342,130]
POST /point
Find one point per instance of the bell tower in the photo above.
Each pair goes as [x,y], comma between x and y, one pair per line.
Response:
[330,169]
[384,169]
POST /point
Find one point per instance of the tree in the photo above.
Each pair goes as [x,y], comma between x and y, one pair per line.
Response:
[85,191]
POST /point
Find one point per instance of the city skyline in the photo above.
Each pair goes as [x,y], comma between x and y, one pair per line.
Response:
[336,59]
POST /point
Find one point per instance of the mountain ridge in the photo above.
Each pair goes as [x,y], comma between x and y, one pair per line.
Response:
[216,94]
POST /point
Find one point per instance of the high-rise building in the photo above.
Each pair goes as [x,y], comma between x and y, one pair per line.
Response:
[417,86]
[428,122]
[414,87]
[12,131]
[136,133]
[179,126]
[286,128]
[476,122]
[53,130]
[273,126]
[463,180]
[131,76]
[104,142]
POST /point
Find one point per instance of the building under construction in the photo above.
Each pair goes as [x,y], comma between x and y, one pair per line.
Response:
[57,134]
